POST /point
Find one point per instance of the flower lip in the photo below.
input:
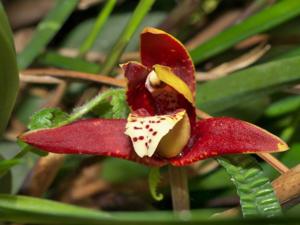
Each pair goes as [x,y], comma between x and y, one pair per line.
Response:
[158,133]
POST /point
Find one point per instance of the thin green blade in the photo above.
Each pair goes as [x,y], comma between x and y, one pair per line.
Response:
[217,95]
[280,12]
[9,76]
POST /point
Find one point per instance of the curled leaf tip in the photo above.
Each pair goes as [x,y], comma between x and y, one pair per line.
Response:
[153,181]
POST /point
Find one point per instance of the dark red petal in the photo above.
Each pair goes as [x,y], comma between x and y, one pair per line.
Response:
[218,136]
[91,136]
[159,47]
[138,97]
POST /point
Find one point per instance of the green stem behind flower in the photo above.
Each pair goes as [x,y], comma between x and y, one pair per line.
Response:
[82,110]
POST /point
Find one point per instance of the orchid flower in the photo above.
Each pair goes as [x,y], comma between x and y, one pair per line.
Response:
[161,128]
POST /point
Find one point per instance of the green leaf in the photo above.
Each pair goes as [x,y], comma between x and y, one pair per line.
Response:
[5,176]
[153,181]
[5,27]
[289,54]
[119,106]
[6,182]
[25,148]
[114,107]
[51,58]
[280,12]
[111,31]
[46,30]
[19,172]
[256,193]
[92,104]
[103,110]
[47,118]
[217,95]
[283,106]
[116,170]
[22,209]
[9,75]
[33,210]
[5,165]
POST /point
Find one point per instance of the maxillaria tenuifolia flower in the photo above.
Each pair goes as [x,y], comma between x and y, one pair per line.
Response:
[162,126]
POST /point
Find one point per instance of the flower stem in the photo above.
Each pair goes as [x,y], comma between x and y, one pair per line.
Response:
[82,110]
[275,163]
[179,189]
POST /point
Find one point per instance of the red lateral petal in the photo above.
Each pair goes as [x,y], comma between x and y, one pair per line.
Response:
[91,136]
[218,136]
[138,97]
[159,47]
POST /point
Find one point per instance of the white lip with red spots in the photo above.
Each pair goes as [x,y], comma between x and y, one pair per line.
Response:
[146,132]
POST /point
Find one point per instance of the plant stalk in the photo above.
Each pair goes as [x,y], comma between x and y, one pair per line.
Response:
[101,19]
[138,15]
[179,189]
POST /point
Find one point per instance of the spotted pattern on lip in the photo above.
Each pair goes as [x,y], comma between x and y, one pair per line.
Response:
[147,131]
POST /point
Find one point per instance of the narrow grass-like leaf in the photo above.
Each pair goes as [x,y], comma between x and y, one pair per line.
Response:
[5,27]
[283,106]
[46,30]
[289,54]
[217,95]
[23,209]
[101,19]
[139,13]
[9,76]
[70,63]
[272,16]
[256,193]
